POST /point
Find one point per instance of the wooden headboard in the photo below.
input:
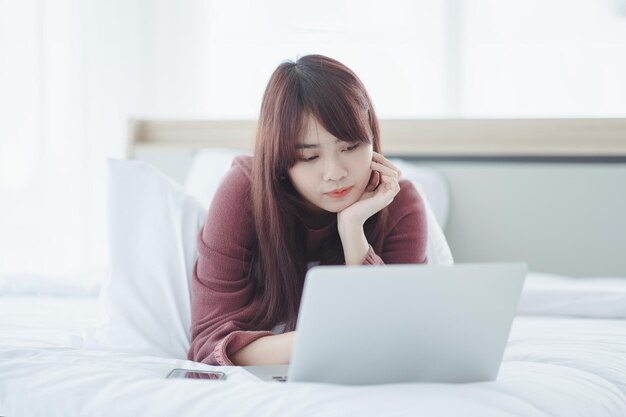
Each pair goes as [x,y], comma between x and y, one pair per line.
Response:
[416,138]
[551,192]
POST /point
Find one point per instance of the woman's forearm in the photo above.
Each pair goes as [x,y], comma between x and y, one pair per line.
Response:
[355,244]
[268,350]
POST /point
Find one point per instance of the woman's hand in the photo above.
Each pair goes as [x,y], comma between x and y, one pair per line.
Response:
[378,194]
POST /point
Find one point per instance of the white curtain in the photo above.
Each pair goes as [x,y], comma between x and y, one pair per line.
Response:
[67,86]
[72,72]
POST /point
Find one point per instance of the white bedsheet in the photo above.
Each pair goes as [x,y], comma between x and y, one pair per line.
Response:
[553,366]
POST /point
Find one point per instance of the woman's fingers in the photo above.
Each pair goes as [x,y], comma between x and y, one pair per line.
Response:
[390,182]
[379,158]
[374,181]
[388,189]
[385,170]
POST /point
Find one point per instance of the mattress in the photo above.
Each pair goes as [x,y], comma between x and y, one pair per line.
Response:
[553,366]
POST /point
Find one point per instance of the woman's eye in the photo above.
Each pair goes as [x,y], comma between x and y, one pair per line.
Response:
[312,158]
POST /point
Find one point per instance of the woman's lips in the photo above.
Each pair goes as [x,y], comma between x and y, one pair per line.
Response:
[342,192]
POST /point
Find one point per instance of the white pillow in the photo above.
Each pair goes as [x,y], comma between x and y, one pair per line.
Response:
[556,295]
[208,166]
[153,224]
[431,186]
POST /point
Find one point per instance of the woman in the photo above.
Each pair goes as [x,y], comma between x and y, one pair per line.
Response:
[316,191]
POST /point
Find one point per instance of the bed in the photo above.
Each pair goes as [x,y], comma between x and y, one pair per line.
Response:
[566,354]
[553,366]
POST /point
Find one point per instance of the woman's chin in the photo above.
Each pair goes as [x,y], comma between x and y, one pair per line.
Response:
[339,206]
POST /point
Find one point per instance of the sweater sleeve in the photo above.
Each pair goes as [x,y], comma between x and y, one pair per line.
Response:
[405,242]
[222,296]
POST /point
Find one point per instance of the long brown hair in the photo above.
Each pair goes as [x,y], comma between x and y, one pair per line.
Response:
[327,90]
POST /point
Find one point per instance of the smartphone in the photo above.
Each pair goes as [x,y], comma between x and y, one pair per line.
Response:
[196,374]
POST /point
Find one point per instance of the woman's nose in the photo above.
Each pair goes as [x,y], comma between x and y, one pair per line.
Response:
[334,171]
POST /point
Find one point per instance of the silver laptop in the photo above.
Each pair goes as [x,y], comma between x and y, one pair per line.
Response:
[383,324]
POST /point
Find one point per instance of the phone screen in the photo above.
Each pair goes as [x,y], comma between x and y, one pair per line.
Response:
[196,374]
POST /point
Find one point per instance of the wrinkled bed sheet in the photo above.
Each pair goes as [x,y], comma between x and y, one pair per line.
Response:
[553,366]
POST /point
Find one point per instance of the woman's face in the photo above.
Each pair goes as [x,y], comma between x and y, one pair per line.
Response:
[330,174]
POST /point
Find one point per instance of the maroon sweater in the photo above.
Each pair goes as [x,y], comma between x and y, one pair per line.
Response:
[221,290]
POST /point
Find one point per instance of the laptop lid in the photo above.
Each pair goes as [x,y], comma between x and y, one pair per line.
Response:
[405,323]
